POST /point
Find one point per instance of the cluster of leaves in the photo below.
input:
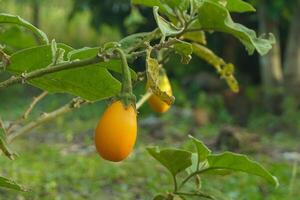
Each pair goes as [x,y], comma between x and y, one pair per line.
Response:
[202,162]
[88,72]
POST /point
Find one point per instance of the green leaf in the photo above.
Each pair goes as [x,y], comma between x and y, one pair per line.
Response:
[14,38]
[166,28]
[238,6]
[181,5]
[133,40]
[214,16]
[9,184]
[14,19]
[165,9]
[88,52]
[202,150]
[89,82]
[238,162]
[184,49]
[197,36]
[3,144]
[175,160]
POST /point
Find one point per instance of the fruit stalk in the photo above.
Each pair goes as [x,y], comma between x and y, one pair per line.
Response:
[126,96]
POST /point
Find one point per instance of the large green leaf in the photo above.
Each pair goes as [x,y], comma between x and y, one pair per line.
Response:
[14,19]
[175,160]
[14,38]
[89,82]
[166,28]
[214,16]
[238,162]
[88,52]
[9,184]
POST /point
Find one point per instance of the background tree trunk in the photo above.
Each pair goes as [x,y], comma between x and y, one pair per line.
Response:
[292,53]
[36,13]
[270,64]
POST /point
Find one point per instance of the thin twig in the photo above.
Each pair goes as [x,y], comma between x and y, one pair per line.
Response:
[2,124]
[143,99]
[75,103]
[33,103]
[27,111]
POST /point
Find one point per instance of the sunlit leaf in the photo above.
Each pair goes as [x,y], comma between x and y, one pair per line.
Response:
[166,28]
[175,160]
[214,16]
[84,82]
[196,36]
[238,6]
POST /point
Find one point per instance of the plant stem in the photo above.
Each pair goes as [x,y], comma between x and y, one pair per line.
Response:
[195,173]
[195,194]
[126,81]
[175,183]
[75,103]
[2,125]
[144,98]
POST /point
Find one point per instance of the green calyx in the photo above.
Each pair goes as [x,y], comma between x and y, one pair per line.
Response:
[126,95]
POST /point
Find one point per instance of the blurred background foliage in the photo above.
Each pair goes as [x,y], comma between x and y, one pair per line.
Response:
[58,161]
